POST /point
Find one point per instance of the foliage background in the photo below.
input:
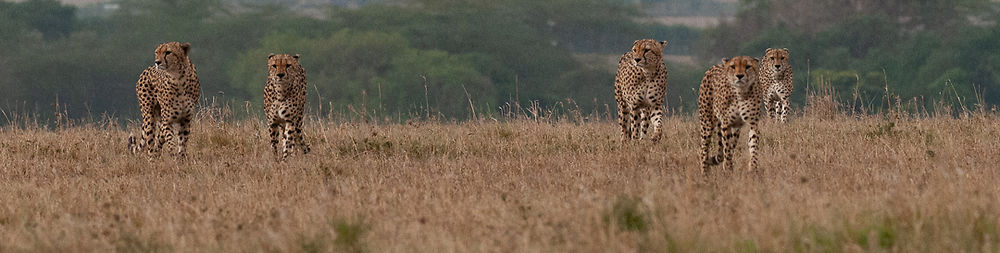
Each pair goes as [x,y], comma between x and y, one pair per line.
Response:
[402,56]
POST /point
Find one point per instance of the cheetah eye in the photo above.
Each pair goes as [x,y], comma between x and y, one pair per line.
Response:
[732,67]
[288,65]
[748,66]
[274,66]
[166,53]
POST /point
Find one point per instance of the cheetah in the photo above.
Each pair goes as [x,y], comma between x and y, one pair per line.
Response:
[776,77]
[284,102]
[168,94]
[728,99]
[640,86]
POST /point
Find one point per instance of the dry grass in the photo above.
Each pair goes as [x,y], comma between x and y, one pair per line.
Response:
[826,185]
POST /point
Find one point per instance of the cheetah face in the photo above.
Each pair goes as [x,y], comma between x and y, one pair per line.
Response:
[647,53]
[278,65]
[171,55]
[776,59]
[741,70]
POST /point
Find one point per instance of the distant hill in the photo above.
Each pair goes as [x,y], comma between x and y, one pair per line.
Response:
[693,13]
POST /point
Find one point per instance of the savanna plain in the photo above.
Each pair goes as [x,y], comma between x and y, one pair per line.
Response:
[826,183]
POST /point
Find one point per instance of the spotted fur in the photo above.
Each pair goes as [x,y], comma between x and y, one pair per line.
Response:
[640,86]
[776,76]
[168,94]
[284,103]
[728,99]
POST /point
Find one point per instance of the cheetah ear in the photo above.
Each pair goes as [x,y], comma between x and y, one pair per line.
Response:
[269,56]
[186,47]
[724,60]
[296,56]
[786,49]
[756,62]
[663,43]
[768,50]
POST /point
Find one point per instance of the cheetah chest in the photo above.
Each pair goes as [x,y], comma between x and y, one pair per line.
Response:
[645,92]
[734,108]
[737,112]
[172,92]
[279,109]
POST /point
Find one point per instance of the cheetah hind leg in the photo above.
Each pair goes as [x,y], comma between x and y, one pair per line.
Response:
[149,139]
[183,132]
[720,147]
[624,120]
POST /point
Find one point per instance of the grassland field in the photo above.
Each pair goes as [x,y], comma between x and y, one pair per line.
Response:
[825,184]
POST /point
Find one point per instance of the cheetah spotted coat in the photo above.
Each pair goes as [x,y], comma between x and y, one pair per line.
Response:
[640,87]
[168,94]
[728,99]
[284,103]
[776,76]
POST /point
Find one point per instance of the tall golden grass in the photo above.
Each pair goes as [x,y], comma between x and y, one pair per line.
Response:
[829,181]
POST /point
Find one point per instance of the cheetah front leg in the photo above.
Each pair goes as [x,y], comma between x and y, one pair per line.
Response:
[730,135]
[300,137]
[771,105]
[734,137]
[783,107]
[643,123]
[752,146]
[286,140]
[656,119]
[166,132]
[751,119]
[636,126]
[275,130]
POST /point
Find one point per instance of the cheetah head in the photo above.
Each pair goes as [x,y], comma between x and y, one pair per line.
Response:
[278,65]
[171,56]
[776,59]
[647,53]
[741,70]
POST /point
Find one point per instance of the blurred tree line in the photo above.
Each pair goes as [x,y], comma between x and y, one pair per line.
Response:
[388,54]
[932,50]
[382,55]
